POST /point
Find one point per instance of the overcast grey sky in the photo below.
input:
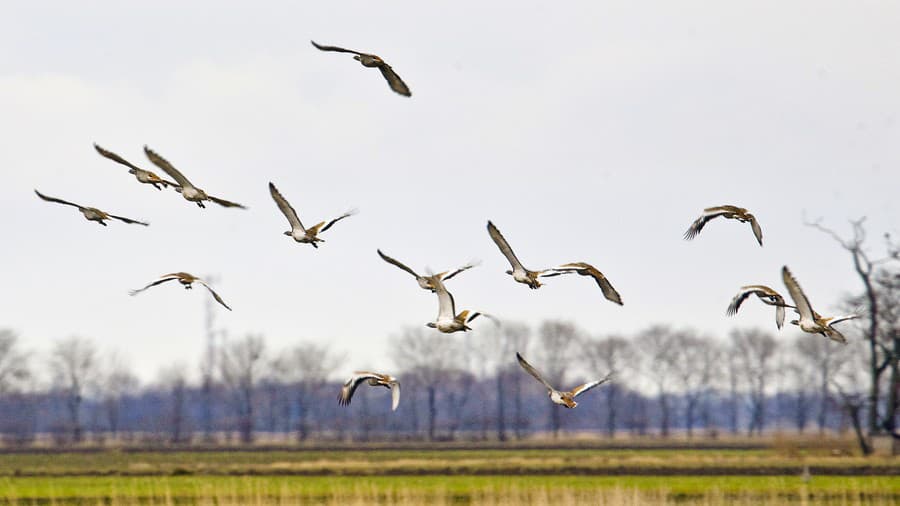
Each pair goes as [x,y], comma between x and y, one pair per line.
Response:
[589,131]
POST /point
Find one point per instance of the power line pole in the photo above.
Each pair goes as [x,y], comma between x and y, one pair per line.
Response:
[208,367]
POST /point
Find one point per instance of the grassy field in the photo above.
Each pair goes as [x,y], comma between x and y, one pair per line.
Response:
[457,476]
[446,462]
[270,490]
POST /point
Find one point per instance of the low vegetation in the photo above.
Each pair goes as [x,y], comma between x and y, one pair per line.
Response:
[449,476]
[437,490]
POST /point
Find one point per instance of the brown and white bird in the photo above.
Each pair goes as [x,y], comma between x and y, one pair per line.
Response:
[373,61]
[144,176]
[373,379]
[811,321]
[187,190]
[186,280]
[766,295]
[91,213]
[585,269]
[298,232]
[566,399]
[732,212]
[447,320]
[518,272]
[426,282]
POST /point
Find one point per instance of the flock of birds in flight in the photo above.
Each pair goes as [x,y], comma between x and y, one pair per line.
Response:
[448,320]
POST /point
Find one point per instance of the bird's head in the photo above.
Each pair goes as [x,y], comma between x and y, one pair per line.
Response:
[795,322]
[509,272]
[431,325]
[357,58]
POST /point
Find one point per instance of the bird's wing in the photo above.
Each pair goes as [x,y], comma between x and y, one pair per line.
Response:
[504,246]
[606,287]
[708,214]
[161,280]
[214,294]
[225,203]
[350,386]
[838,319]
[757,230]
[394,80]
[461,269]
[168,168]
[339,218]
[116,158]
[587,386]
[835,335]
[395,395]
[532,371]
[286,208]
[739,299]
[446,305]
[489,316]
[337,49]
[129,220]
[800,300]
[397,263]
[779,316]
[56,200]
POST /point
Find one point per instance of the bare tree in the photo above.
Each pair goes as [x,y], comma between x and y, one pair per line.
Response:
[557,340]
[273,395]
[516,337]
[427,357]
[734,383]
[308,367]
[880,356]
[849,386]
[18,419]
[174,379]
[656,344]
[482,354]
[693,360]
[73,362]
[116,382]
[13,362]
[240,363]
[816,363]
[609,354]
[755,351]
[889,295]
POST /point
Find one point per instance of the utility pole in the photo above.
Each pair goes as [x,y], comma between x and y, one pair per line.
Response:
[208,367]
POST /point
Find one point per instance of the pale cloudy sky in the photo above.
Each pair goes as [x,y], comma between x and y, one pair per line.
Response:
[592,131]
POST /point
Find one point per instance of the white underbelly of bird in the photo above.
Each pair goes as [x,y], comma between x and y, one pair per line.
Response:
[448,326]
[193,194]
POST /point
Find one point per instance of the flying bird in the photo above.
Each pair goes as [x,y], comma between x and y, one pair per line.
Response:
[91,213]
[186,280]
[187,190]
[766,295]
[566,399]
[373,379]
[811,321]
[732,212]
[144,176]
[518,272]
[426,282]
[447,320]
[297,231]
[585,269]
[373,61]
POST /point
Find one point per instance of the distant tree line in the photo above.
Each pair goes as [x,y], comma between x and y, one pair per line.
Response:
[453,387]
[469,386]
